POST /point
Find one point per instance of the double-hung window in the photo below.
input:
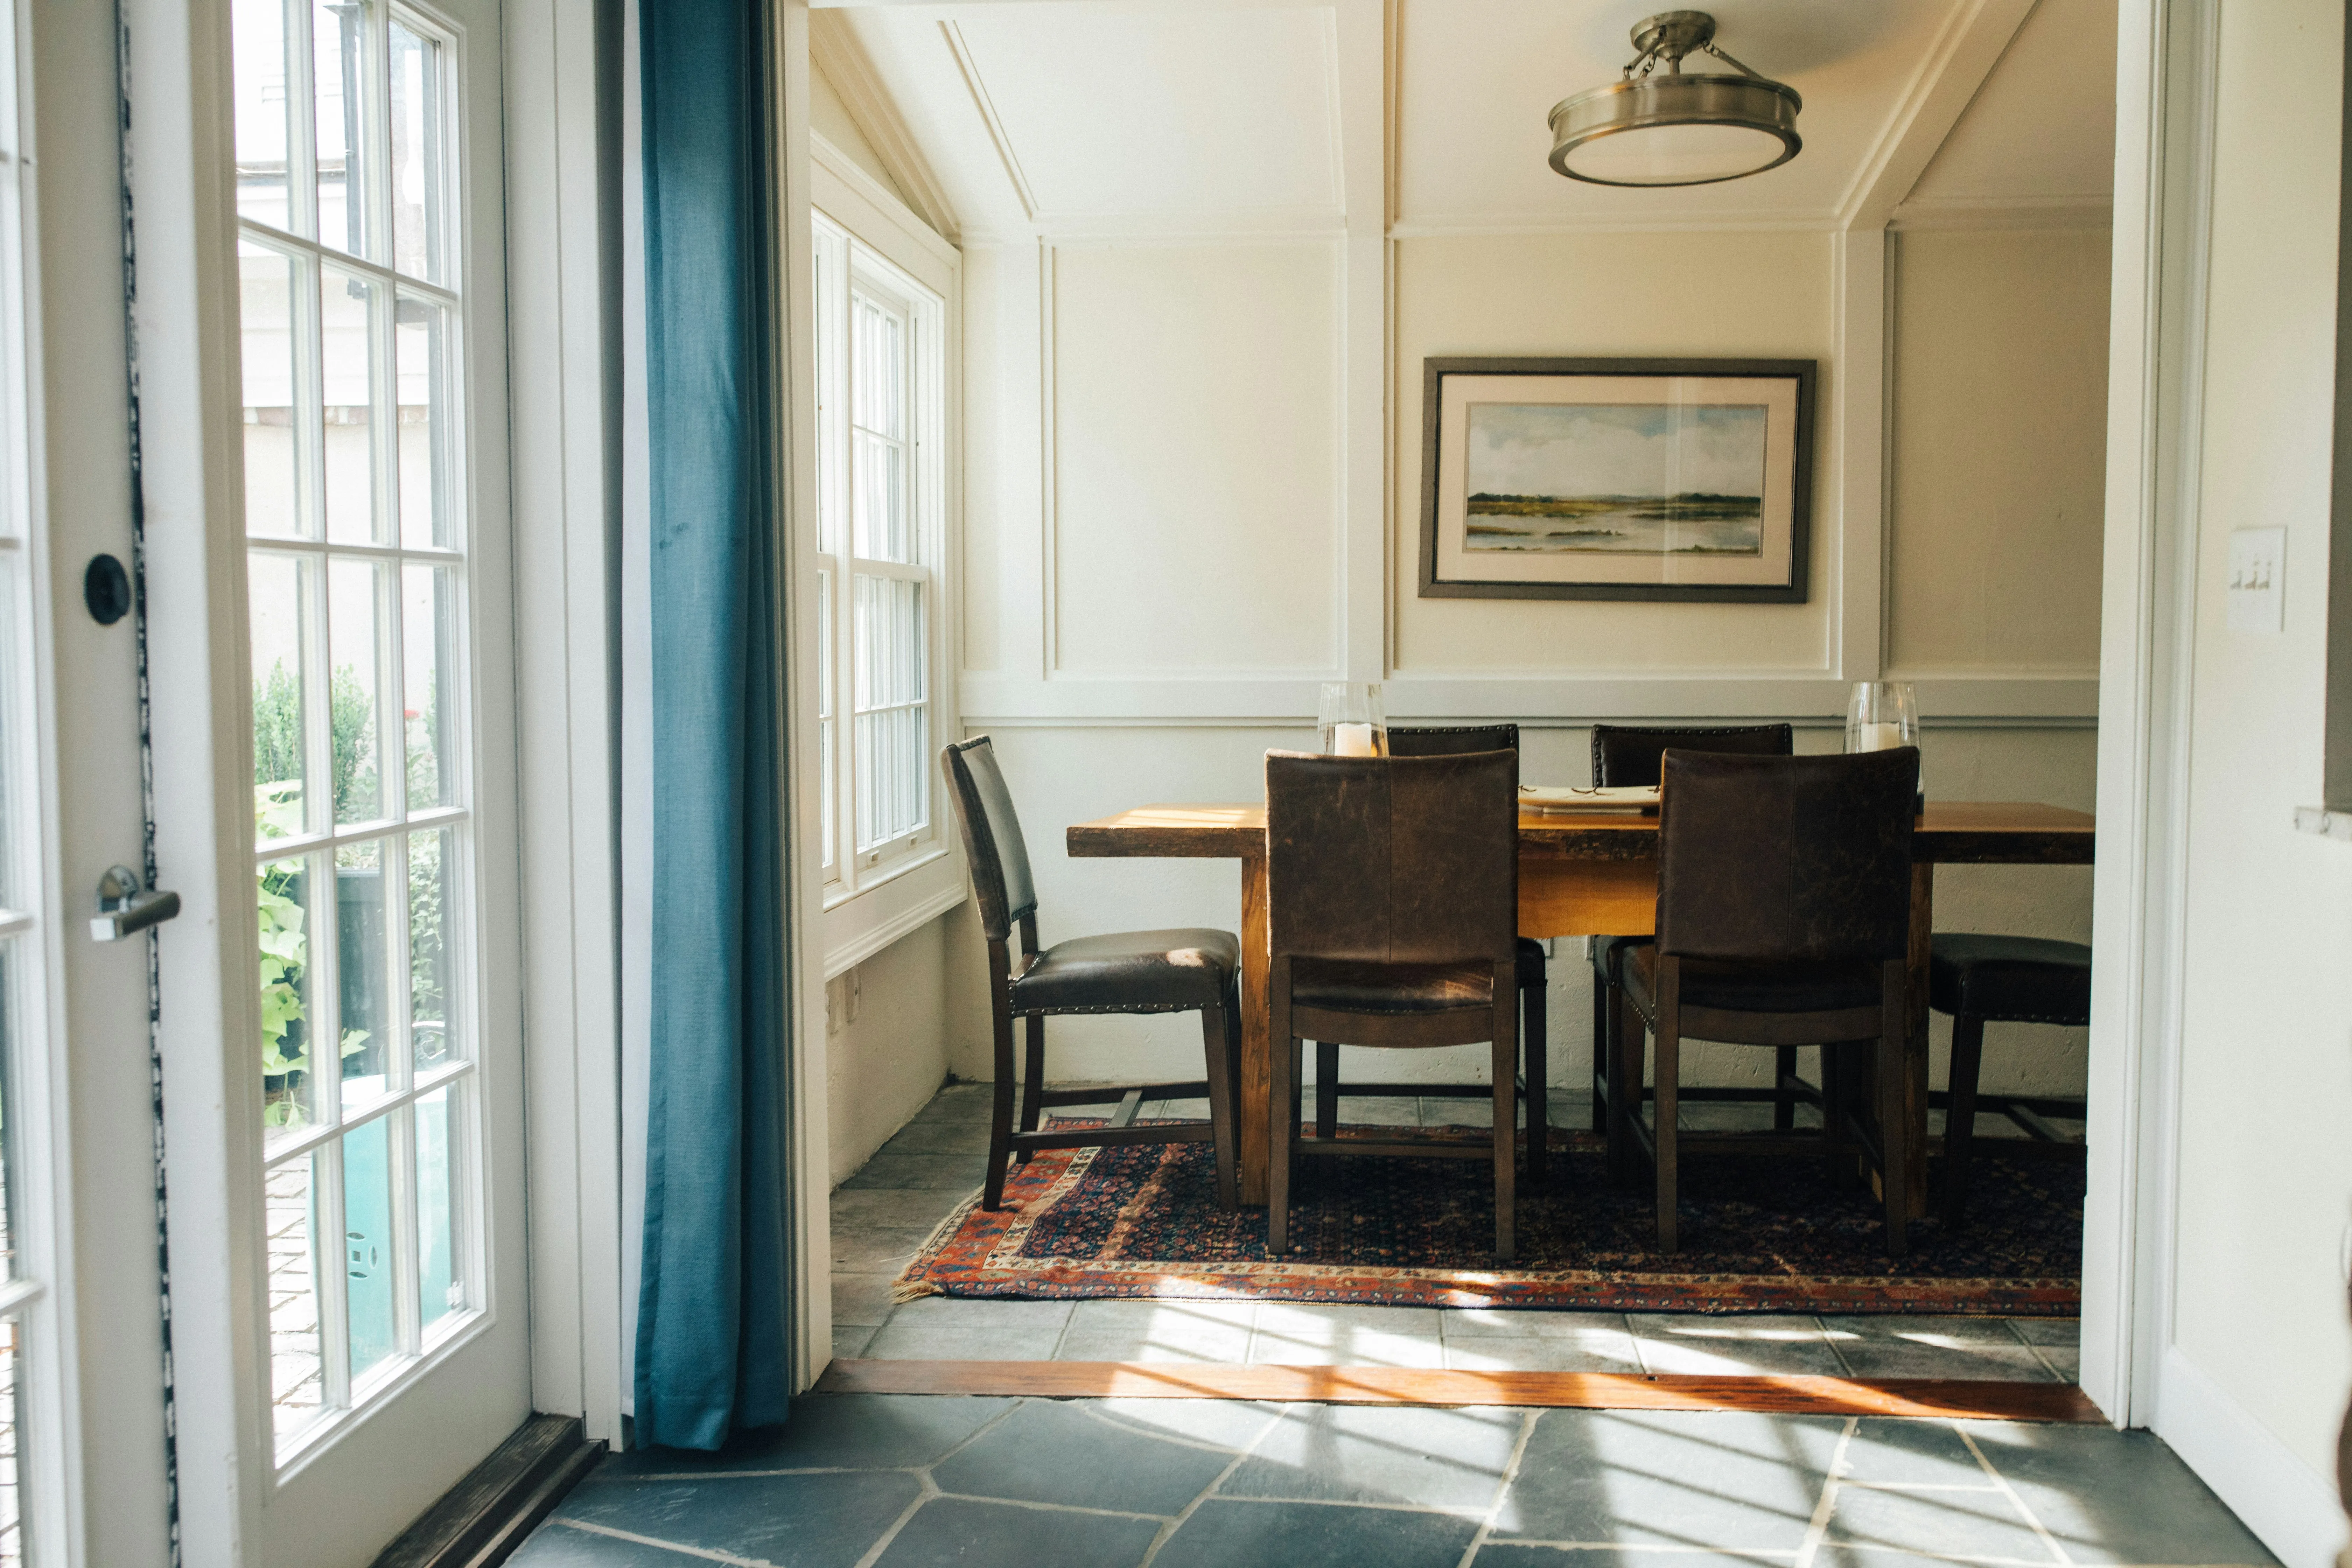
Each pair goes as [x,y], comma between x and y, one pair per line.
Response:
[882,481]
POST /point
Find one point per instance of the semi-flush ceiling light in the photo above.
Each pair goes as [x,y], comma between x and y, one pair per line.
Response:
[1676,130]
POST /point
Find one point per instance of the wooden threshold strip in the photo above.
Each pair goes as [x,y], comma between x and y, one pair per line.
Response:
[1913,1396]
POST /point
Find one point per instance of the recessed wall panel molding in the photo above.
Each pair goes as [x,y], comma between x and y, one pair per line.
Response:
[1193,459]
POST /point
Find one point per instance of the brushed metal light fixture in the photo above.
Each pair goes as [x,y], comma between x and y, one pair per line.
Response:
[1676,128]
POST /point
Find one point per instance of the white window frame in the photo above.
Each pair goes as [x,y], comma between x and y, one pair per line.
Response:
[862,231]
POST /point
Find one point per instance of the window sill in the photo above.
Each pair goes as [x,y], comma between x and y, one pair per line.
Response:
[2324,823]
[866,923]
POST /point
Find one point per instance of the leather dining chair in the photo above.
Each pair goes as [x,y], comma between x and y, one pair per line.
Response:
[1627,755]
[1981,979]
[1393,908]
[1132,971]
[1446,741]
[1784,915]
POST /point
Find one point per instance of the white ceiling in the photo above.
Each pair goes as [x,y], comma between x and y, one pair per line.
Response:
[1075,116]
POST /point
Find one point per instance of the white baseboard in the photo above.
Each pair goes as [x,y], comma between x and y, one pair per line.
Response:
[2267,1485]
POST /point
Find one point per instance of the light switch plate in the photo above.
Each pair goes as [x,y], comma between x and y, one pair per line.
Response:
[2258,580]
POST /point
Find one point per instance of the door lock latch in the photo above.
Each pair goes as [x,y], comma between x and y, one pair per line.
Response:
[123,910]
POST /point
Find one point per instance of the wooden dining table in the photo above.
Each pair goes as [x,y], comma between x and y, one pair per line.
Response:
[1583,873]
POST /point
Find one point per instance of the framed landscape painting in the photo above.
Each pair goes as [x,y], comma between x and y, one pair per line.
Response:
[1569,478]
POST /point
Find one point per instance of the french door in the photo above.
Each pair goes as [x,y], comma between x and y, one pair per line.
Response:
[382,1076]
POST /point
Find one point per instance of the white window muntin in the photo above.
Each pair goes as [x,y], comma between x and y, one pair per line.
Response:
[850,273]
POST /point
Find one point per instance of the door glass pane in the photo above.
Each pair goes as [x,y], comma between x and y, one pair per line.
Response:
[339,45]
[285,901]
[347,310]
[367,1243]
[430,943]
[269,298]
[362,970]
[290,1216]
[416,172]
[259,29]
[440,1276]
[428,621]
[278,599]
[427,435]
[893,726]
[355,592]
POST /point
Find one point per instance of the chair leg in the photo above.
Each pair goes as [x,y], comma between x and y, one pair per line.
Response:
[1000,1115]
[1624,1091]
[1506,1118]
[1214,1036]
[1282,1114]
[1033,1099]
[1666,1101]
[1535,1045]
[1605,1028]
[1893,1128]
[1327,1089]
[1837,1162]
[1784,1104]
[1960,1119]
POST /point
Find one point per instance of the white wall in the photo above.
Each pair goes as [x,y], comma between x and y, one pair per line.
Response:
[886,1044]
[2255,1359]
[1159,541]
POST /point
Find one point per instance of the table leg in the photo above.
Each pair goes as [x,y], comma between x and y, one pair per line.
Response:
[1257,1041]
[1915,1059]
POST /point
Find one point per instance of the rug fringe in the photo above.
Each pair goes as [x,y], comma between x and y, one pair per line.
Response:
[904,1289]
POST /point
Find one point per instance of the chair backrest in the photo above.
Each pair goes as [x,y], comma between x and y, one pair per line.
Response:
[1394,859]
[992,836]
[1786,858]
[1450,739]
[1627,755]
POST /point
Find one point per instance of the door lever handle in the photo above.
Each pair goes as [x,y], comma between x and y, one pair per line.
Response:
[125,909]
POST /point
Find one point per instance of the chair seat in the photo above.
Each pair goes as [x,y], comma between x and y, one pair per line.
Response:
[1532,960]
[1389,988]
[1753,987]
[1131,972]
[2012,979]
[1608,955]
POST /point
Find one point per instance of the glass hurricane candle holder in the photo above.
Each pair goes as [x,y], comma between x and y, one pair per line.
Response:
[1881,715]
[1350,721]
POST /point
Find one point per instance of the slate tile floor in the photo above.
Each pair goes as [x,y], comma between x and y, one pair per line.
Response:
[885,1212]
[897,1482]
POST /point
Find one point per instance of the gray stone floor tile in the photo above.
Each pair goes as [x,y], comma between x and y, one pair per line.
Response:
[1670,1479]
[1916,1453]
[2010,1363]
[1374,1110]
[1450,1459]
[793,1522]
[1946,1524]
[1496,1353]
[862,1300]
[1513,1554]
[2066,1365]
[557,1545]
[1174,1111]
[2112,1497]
[900,1208]
[938,1328]
[1920,1329]
[1159,1331]
[847,1431]
[1734,1346]
[1316,1333]
[959,1103]
[939,1138]
[1479,1322]
[1444,1110]
[2067,1332]
[952,1172]
[1224,1533]
[1230,1425]
[875,1250]
[849,1339]
[972,1534]
[1052,1451]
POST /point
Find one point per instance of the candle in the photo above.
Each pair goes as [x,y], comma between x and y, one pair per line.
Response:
[1876,737]
[1352,740]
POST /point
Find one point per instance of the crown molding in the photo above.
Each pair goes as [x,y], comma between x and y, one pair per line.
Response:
[1971,43]
[2093,211]
[835,49]
[1500,226]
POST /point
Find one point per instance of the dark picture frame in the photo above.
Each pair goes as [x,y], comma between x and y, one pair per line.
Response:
[1443,518]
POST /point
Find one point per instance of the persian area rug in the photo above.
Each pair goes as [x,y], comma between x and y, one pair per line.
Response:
[1758,1234]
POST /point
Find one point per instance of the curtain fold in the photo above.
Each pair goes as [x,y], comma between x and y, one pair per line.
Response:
[712,1317]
